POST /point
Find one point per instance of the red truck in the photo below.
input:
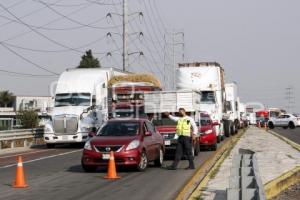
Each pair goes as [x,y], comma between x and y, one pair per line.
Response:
[127,94]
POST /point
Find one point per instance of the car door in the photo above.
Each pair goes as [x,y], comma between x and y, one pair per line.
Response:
[154,144]
[285,120]
[278,121]
[148,142]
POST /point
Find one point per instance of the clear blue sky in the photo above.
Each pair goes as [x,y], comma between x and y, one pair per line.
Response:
[257,42]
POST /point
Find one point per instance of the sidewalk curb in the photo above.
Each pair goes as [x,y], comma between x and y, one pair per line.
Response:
[193,187]
[283,182]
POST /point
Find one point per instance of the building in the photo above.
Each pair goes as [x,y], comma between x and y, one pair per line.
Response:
[41,104]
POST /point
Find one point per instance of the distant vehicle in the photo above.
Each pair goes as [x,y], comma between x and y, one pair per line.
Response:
[251,118]
[207,78]
[135,142]
[285,121]
[80,105]
[158,102]
[208,137]
[262,117]
[232,107]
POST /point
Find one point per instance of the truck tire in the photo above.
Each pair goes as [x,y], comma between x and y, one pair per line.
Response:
[227,128]
[232,128]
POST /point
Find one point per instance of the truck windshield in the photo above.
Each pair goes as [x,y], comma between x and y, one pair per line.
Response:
[163,122]
[119,129]
[72,99]
[208,97]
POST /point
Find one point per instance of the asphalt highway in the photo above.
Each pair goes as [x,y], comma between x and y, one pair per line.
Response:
[54,174]
[291,134]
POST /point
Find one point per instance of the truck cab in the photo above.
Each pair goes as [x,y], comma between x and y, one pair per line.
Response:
[80,105]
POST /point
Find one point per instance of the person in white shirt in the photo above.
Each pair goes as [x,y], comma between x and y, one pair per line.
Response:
[185,138]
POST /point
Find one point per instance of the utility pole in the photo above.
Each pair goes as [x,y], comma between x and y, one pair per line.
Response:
[125,35]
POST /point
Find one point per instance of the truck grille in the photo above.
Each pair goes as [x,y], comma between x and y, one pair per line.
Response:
[168,135]
[108,148]
[65,125]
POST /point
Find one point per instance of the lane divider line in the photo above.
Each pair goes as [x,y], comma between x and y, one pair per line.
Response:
[25,153]
[42,158]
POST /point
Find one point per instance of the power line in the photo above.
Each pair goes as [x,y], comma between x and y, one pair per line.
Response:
[27,60]
[25,74]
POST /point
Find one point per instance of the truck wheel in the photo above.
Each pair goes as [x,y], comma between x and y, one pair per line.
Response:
[50,146]
[271,125]
[227,128]
[232,129]
[291,125]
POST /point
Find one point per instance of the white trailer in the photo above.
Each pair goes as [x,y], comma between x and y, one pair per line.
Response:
[208,78]
[232,107]
[80,105]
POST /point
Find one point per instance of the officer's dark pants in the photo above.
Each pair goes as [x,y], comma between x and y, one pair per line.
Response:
[184,145]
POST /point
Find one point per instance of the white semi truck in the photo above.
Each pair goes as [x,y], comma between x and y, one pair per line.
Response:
[232,108]
[80,105]
[208,78]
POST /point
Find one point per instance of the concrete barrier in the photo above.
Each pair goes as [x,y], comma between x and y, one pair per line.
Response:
[245,182]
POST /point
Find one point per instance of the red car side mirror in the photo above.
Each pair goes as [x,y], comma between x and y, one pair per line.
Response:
[148,133]
[92,134]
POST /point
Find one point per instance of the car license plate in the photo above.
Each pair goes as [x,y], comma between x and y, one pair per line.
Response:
[64,137]
[167,142]
[105,156]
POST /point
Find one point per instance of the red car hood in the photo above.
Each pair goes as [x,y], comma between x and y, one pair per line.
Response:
[106,140]
[166,129]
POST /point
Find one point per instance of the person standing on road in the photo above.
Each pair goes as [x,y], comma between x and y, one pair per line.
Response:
[184,142]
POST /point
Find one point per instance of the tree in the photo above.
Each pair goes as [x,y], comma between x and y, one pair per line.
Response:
[88,61]
[6,98]
[28,118]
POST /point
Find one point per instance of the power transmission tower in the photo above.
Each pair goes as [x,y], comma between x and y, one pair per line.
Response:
[172,39]
[290,97]
[125,35]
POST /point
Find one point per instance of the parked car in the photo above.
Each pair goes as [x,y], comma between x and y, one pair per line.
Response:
[135,142]
[208,137]
[285,121]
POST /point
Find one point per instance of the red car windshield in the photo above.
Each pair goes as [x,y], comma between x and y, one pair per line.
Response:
[119,129]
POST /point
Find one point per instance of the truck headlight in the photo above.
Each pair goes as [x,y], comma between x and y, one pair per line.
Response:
[88,146]
[133,145]
[48,129]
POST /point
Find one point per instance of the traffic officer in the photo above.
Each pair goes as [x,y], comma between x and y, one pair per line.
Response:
[185,138]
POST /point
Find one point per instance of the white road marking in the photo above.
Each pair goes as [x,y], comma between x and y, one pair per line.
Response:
[21,154]
[42,158]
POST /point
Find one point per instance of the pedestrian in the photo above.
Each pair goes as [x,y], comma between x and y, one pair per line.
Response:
[186,136]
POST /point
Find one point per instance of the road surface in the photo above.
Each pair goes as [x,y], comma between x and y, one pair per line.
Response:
[57,174]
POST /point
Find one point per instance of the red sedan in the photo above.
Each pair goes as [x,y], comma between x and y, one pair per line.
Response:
[208,136]
[135,142]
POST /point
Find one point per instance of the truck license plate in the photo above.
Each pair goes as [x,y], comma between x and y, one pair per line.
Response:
[105,156]
[64,137]
[167,142]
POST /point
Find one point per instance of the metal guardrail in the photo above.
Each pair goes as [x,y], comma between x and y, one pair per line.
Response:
[245,182]
[19,137]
